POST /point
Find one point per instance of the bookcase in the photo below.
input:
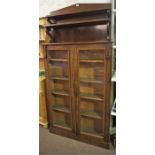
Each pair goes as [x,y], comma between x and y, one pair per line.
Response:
[42,54]
[78,72]
[42,102]
[43,38]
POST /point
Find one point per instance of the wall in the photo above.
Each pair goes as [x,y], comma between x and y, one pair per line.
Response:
[46,6]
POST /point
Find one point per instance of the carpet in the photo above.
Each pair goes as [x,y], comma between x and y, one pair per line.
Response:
[51,144]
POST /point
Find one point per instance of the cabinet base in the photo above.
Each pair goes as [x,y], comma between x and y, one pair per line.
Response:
[83,138]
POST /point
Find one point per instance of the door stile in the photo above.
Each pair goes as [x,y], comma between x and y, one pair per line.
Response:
[72,66]
[107,92]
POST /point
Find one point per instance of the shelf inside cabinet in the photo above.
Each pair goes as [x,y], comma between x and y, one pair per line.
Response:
[79,23]
[91,132]
[59,78]
[61,108]
[90,114]
[85,80]
[60,124]
[58,92]
[63,60]
[91,97]
[95,61]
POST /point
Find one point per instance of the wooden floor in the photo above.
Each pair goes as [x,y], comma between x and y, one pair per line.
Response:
[51,144]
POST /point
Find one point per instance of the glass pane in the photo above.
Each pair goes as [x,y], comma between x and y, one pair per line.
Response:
[59,84]
[91,55]
[92,127]
[58,54]
[61,103]
[91,84]
[90,108]
[61,119]
[92,71]
[58,69]
[91,74]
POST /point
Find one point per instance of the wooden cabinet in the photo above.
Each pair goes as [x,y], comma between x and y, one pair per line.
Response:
[78,87]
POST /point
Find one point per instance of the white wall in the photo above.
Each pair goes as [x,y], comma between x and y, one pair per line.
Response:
[46,6]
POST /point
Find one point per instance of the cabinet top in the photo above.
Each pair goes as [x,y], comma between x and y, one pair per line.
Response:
[79,9]
[78,43]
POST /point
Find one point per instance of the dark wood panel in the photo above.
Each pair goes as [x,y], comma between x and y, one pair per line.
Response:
[83,34]
[79,9]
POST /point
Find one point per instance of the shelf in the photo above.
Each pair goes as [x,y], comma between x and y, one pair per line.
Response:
[63,60]
[113,79]
[61,124]
[90,114]
[91,132]
[84,80]
[79,9]
[79,23]
[61,108]
[59,78]
[95,61]
[91,97]
[62,93]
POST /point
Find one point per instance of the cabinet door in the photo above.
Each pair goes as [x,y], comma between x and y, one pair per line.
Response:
[90,92]
[59,89]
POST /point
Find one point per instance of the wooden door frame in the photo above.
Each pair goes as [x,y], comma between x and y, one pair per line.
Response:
[78,100]
[74,86]
[49,106]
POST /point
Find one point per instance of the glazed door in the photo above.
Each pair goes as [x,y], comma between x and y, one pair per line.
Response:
[60,105]
[90,92]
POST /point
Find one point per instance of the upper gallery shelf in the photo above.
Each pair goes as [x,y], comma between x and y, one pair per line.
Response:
[79,19]
[79,9]
[79,23]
